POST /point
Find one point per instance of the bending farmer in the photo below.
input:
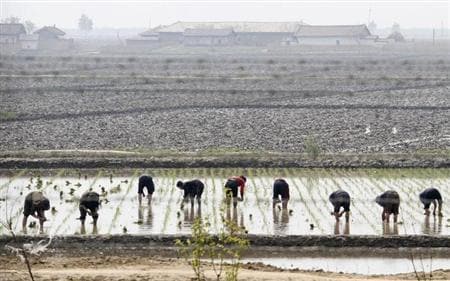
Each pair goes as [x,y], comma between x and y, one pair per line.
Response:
[35,205]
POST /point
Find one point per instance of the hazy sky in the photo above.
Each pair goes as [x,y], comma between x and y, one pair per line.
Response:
[139,13]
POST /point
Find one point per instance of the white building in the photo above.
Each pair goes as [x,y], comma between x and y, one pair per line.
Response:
[52,38]
[29,41]
[334,35]
[145,39]
[244,33]
[208,37]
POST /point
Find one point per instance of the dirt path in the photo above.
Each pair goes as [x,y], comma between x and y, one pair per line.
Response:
[164,269]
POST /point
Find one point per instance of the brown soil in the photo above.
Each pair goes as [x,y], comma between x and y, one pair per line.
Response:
[149,242]
[110,160]
[98,268]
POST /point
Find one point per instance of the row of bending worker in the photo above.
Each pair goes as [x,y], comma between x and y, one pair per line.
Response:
[36,203]
[340,199]
[389,201]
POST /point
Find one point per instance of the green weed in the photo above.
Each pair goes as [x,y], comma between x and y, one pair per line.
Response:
[7,115]
[312,148]
[229,243]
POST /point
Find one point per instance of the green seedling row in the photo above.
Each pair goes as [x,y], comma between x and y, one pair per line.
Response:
[309,208]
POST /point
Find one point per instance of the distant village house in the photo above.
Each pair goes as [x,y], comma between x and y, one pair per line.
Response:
[51,38]
[10,36]
[236,33]
[209,37]
[259,34]
[396,36]
[29,41]
[145,39]
[334,35]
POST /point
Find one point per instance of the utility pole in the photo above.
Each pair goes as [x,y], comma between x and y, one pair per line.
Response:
[442,29]
[434,35]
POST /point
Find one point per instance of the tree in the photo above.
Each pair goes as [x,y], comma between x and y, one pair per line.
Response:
[85,23]
[395,27]
[372,27]
[29,26]
[11,19]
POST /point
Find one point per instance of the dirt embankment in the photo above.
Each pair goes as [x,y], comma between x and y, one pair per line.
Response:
[99,267]
[120,160]
[102,242]
[126,257]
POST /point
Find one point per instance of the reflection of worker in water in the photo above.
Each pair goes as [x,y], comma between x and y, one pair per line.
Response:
[280,189]
[89,204]
[35,205]
[390,201]
[231,189]
[280,224]
[192,189]
[149,217]
[429,196]
[147,182]
[83,229]
[387,230]
[337,226]
[232,215]
[437,225]
[340,198]
[190,215]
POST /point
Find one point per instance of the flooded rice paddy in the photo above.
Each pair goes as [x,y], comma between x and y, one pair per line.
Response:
[308,211]
[357,265]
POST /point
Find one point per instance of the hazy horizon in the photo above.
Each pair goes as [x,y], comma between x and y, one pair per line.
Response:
[143,14]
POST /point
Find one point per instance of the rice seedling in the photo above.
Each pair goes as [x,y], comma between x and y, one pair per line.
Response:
[214,199]
[39,182]
[115,189]
[122,199]
[306,200]
[17,175]
[309,198]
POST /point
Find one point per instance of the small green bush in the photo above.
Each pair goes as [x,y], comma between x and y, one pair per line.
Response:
[230,242]
[7,115]
[312,148]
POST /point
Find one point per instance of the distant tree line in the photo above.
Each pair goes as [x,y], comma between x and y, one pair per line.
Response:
[85,23]
[29,25]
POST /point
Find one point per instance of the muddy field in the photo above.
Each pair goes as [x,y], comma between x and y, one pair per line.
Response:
[116,268]
[308,212]
[258,264]
[349,101]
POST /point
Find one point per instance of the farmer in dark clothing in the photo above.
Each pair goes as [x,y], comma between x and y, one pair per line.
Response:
[390,201]
[431,195]
[340,198]
[231,189]
[147,182]
[192,189]
[89,203]
[280,189]
[35,205]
